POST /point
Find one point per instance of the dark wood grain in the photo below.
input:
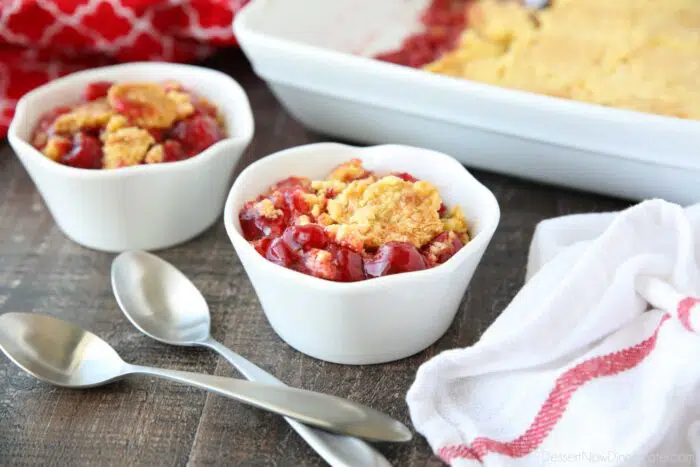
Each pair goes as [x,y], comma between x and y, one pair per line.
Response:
[151,422]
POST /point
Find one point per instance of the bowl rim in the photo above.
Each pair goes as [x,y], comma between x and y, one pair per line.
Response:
[235,94]
[476,245]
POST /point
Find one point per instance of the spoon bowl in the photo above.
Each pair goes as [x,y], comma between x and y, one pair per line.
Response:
[58,352]
[162,302]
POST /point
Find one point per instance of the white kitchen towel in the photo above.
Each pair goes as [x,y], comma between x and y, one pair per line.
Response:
[596,361]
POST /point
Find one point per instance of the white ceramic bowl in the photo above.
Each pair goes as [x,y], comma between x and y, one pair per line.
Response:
[145,207]
[376,320]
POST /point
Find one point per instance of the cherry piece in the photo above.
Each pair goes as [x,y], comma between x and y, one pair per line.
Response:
[394,258]
[202,106]
[296,203]
[85,154]
[350,264]
[271,227]
[197,133]
[172,151]
[398,57]
[157,133]
[279,253]
[304,237]
[442,210]
[247,218]
[43,127]
[96,90]
[405,176]
[291,184]
[442,248]
[261,245]
[444,21]
[319,263]
[255,226]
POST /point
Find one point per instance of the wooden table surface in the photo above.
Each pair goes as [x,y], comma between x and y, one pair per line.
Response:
[144,421]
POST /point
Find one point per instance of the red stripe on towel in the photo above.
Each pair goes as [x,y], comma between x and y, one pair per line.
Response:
[684,307]
[554,407]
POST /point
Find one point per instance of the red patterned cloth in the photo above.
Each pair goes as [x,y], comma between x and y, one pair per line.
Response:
[43,39]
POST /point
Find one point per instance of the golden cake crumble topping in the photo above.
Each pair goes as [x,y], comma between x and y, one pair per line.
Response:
[126,146]
[146,104]
[155,155]
[351,170]
[371,213]
[55,146]
[267,209]
[114,123]
[355,224]
[90,115]
[183,106]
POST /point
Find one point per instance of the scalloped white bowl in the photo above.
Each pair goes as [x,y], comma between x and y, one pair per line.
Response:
[376,320]
[145,207]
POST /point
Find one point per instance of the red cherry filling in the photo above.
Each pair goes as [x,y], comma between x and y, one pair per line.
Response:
[197,133]
[43,127]
[295,202]
[279,253]
[291,184]
[247,218]
[350,264]
[172,151]
[256,226]
[304,248]
[442,210]
[337,263]
[394,258]
[96,90]
[405,176]
[442,248]
[202,107]
[157,133]
[261,245]
[86,152]
[304,237]
[444,21]
[319,263]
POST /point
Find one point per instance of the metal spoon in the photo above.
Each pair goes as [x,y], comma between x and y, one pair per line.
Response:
[63,354]
[165,305]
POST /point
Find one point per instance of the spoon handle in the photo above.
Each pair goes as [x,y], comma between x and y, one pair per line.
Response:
[337,450]
[313,408]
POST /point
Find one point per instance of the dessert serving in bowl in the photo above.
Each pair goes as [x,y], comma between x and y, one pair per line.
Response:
[359,255]
[135,156]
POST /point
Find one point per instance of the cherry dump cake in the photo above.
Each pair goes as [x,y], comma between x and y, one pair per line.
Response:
[640,55]
[129,123]
[354,225]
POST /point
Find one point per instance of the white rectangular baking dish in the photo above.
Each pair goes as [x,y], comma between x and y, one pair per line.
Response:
[315,56]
